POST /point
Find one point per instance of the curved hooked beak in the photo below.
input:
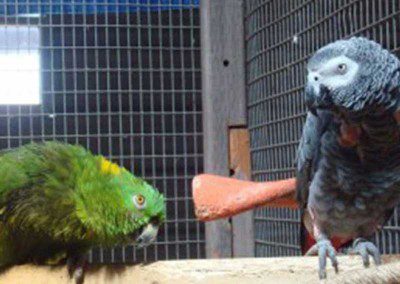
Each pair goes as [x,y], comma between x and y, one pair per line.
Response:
[320,99]
[148,235]
[310,98]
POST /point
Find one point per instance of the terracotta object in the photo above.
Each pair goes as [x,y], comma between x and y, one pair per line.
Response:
[217,197]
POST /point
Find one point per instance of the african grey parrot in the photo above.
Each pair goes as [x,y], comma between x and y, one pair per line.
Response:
[348,164]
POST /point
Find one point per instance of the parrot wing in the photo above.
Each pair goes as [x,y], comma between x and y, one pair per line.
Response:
[38,180]
[309,152]
[308,157]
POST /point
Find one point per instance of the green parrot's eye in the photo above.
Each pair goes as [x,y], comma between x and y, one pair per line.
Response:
[139,201]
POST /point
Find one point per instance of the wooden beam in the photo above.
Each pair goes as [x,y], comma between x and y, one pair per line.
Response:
[239,162]
[223,95]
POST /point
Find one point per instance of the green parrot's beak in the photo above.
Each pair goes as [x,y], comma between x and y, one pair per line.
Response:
[148,235]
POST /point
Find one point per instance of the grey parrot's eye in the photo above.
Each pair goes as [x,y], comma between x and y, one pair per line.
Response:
[342,68]
[139,201]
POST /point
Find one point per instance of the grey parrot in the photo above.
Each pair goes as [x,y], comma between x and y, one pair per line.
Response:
[348,163]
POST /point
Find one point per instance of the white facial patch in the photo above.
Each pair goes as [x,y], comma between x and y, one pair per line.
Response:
[337,72]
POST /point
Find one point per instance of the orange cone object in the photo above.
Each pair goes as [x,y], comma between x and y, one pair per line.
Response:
[217,197]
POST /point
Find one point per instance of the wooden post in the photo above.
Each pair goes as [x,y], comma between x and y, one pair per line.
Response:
[223,93]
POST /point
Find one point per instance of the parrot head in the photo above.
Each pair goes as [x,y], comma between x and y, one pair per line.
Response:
[129,209]
[352,77]
[147,207]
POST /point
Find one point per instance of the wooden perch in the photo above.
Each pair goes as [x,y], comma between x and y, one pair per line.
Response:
[388,273]
[218,197]
[288,270]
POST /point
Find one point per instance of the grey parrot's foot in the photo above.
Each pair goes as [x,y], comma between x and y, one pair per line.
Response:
[366,248]
[76,268]
[323,248]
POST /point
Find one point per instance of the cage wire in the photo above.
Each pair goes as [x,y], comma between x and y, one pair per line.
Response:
[280,36]
[121,78]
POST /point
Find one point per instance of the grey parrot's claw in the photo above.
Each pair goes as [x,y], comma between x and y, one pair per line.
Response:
[324,249]
[365,249]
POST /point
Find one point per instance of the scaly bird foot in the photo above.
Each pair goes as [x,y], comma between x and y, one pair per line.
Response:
[365,248]
[76,268]
[323,248]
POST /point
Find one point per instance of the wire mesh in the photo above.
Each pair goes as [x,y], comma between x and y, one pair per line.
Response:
[280,37]
[121,78]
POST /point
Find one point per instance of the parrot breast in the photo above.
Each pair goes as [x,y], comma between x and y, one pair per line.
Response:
[356,186]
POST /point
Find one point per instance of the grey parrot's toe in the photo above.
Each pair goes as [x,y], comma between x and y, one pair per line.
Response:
[365,249]
[324,249]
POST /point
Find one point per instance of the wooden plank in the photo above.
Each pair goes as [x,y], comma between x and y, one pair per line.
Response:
[223,94]
[239,151]
[239,161]
[291,270]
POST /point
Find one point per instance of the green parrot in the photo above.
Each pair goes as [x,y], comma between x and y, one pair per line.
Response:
[59,200]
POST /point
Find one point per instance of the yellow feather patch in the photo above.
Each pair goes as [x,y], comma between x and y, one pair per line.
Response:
[107,167]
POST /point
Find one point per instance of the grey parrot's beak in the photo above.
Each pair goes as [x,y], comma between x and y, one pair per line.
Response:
[148,235]
[310,99]
[320,100]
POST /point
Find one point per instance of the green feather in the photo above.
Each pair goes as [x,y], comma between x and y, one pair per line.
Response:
[58,198]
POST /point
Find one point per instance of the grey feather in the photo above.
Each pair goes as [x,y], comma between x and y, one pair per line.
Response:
[309,151]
